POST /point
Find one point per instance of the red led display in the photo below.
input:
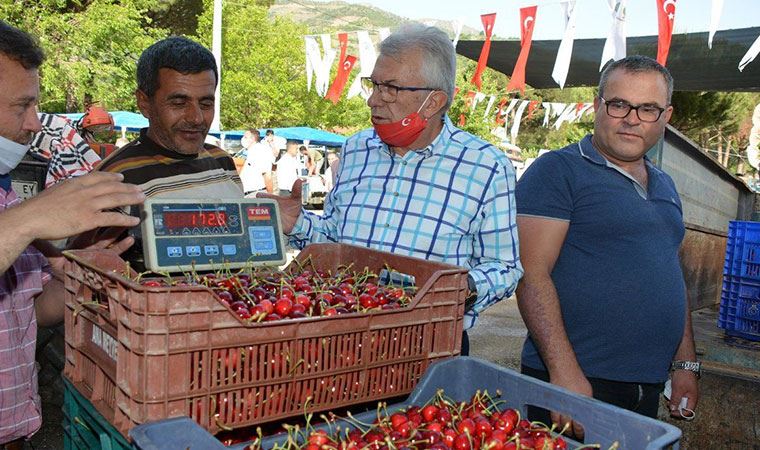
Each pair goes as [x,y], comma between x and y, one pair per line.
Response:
[191,219]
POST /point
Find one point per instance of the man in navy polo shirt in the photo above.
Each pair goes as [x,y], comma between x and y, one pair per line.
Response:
[603,295]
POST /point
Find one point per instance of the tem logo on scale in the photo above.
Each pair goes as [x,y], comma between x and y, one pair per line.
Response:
[259,213]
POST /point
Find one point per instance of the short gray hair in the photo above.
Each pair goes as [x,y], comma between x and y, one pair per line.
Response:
[439,63]
[636,64]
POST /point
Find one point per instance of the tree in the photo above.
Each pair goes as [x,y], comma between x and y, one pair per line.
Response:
[91,47]
[264,74]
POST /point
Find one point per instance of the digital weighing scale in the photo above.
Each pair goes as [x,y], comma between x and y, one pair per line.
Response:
[181,235]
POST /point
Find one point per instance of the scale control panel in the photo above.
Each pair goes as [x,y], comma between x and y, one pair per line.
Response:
[182,235]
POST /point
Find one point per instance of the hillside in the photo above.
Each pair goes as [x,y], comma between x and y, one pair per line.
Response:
[334,16]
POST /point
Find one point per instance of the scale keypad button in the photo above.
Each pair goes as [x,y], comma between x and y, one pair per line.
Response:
[193,250]
[211,250]
[174,252]
[229,249]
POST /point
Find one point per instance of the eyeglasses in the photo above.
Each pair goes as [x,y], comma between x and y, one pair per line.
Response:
[388,91]
[620,109]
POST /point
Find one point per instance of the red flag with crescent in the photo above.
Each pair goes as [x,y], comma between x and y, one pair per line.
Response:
[666,14]
[343,44]
[527,22]
[488,21]
[339,83]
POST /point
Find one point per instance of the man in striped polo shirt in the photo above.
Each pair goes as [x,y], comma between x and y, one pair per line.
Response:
[415,184]
[176,80]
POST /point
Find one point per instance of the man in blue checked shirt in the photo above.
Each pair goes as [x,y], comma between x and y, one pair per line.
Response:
[414,184]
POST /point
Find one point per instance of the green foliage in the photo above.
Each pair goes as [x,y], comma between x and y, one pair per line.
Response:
[91,47]
[264,74]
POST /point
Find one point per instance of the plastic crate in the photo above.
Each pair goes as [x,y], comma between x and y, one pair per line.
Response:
[84,427]
[460,378]
[739,312]
[743,250]
[146,353]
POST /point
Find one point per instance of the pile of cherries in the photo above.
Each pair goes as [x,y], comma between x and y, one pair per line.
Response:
[442,424]
[265,295]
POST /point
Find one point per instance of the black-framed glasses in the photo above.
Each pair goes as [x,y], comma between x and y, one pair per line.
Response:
[388,91]
[620,109]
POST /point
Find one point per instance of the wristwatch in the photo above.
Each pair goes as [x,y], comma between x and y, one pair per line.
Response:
[691,366]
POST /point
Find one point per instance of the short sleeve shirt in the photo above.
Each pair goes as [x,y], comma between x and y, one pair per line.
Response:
[618,274]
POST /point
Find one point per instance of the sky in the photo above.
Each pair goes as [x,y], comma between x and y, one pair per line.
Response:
[593,19]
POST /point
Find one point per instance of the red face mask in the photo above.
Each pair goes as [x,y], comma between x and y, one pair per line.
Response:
[403,132]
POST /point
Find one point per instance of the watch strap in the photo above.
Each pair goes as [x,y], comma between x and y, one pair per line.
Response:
[691,366]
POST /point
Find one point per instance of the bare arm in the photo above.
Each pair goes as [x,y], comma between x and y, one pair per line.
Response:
[684,383]
[67,209]
[540,242]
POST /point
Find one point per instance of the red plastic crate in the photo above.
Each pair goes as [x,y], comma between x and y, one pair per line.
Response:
[147,353]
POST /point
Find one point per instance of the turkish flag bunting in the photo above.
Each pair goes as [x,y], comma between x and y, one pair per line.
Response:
[499,117]
[488,21]
[339,83]
[343,44]
[462,120]
[666,14]
[527,22]
[469,98]
[532,107]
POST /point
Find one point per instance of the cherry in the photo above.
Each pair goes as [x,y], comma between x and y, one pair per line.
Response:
[283,306]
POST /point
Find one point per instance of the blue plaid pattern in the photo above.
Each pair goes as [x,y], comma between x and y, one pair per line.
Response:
[452,202]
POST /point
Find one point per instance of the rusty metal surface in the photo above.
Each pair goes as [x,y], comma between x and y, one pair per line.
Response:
[702,256]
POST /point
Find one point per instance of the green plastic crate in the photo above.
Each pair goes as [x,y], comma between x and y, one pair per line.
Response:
[85,428]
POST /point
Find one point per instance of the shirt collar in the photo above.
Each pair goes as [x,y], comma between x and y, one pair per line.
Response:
[588,151]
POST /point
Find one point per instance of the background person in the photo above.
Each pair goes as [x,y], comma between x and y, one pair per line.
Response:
[288,170]
[257,170]
[429,189]
[176,79]
[333,165]
[307,162]
[603,295]
[31,290]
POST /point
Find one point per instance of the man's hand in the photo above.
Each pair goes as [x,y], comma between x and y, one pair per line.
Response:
[683,384]
[290,207]
[575,382]
[79,205]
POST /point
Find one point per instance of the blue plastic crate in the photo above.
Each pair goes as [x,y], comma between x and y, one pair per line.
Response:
[84,427]
[460,378]
[739,312]
[743,250]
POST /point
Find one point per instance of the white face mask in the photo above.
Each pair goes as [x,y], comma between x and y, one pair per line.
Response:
[11,153]
[245,142]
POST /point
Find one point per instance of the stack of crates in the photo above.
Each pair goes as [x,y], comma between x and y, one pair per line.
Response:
[740,298]
[141,353]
